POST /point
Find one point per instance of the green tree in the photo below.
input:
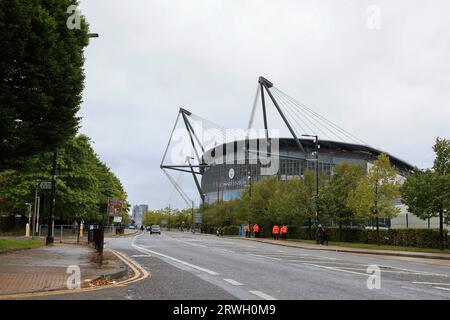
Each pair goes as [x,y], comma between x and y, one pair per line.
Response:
[83,187]
[335,195]
[374,193]
[427,193]
[41,78]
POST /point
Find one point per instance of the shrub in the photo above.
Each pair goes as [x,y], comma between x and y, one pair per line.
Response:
[422,238]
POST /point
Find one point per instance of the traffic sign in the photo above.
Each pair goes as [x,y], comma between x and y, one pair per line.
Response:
[114,207]
[197,217]
[45,185]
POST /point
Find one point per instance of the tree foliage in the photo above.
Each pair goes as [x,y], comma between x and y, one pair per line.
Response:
[374,194]
[41,78]
[427,192]
[84,183]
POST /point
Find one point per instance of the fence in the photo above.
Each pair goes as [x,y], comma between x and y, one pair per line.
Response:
[72,234]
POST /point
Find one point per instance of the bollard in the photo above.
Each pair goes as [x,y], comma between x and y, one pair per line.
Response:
[27,230]
[81,231]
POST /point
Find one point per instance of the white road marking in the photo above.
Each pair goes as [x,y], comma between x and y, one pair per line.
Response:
[233,282]
[140,255]
[432,283]
[335,269]
[262,295]
[193,266]
[261,256]
[413,271]
[446,289]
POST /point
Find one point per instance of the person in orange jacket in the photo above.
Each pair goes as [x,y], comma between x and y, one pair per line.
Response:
[247,231]
[275,232]
[283,231]
[256,230]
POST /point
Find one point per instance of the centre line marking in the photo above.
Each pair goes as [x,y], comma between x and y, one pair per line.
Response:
[335,269]
[432,283]
[233,282]
[262,295]
[193,266]
[446,289]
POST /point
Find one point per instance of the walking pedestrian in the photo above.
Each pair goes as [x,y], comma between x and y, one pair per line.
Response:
[325,235]
[275,232]
[319,234]
[284,230]
[247,231]
[256,230]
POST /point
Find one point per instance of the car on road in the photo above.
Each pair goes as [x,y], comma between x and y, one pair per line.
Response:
[155,229]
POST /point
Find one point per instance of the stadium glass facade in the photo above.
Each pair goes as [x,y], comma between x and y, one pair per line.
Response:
[227,175]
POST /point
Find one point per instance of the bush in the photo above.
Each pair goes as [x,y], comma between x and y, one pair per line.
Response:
[421,238]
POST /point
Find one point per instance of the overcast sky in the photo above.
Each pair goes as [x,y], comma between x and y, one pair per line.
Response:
[385,80]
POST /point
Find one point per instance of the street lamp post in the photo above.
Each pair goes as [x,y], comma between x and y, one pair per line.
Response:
[316,140]
[250,194]
[49,240]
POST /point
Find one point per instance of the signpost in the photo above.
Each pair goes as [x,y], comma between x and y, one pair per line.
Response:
[197,220]
[45,185]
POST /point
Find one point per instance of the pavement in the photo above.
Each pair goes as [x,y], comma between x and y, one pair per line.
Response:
[312,246]
[182,265]
[45,268]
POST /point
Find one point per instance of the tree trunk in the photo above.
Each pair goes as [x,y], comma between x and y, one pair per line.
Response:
[309,227]
[378,231]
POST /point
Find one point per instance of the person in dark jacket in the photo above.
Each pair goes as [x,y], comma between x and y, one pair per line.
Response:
[325,236]
[319,234]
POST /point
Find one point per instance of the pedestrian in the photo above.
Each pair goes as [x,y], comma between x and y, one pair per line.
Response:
[247,230]
[319,234]
[284,230]
[256,230]
[275,232]
[325,235]
[142,227]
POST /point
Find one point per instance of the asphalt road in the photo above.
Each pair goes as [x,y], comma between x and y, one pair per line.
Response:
[188,266]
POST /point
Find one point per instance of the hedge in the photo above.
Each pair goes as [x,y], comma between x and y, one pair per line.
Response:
[421,238]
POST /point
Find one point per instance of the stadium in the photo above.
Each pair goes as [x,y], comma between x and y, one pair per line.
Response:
[226,179]
[223,170]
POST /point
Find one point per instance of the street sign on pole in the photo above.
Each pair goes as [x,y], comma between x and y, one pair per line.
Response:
[198,217]
[45,185]
[114,207]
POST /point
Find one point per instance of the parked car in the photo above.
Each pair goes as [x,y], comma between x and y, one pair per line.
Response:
[131,227]
[155,229]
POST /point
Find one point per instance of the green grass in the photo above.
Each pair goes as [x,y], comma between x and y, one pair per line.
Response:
[376,247]
[7,245]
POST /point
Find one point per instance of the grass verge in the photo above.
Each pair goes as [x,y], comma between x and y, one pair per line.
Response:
[8,245]
[376,247]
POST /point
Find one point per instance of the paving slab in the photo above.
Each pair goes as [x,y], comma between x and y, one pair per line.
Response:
[45,268]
